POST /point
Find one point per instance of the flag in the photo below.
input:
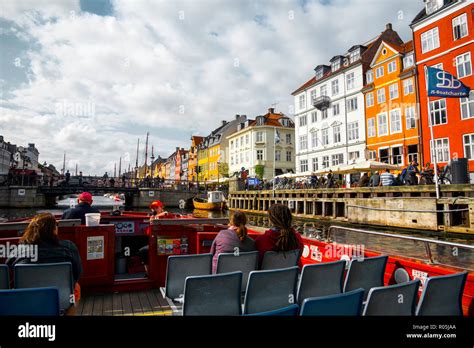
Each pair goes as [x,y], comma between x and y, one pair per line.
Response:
[277,136]
[442,84]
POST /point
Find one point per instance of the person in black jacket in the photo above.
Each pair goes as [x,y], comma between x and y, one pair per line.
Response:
[42,232]
[84,207]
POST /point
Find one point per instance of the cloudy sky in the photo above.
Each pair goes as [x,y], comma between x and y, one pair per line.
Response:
[90,77]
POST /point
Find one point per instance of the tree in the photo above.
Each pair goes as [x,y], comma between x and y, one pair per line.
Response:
[259,170]
[223,170]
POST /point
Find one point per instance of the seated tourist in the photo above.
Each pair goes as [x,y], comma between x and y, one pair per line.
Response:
[84,207]
[281,236]
[43,232]
[232,239]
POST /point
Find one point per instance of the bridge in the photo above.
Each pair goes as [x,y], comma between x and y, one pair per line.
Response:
[94,190]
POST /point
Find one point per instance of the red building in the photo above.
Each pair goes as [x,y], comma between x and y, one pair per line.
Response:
[443,34]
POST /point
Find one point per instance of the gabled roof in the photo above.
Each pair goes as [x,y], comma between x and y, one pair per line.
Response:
[423,15]
[403,49]
[273,119]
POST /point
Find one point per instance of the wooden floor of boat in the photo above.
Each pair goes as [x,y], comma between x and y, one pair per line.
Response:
[139,303]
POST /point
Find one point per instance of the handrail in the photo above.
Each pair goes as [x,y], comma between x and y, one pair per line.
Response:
[8,226]
[196,221]
[425,240]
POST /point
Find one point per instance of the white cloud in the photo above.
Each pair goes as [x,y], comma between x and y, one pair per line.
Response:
[154,58]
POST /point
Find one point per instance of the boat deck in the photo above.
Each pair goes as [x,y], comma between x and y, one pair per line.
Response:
[137,303]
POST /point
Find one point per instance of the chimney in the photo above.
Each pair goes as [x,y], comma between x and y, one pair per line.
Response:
[224,122]
[271,110]
[388,26]
[237,117]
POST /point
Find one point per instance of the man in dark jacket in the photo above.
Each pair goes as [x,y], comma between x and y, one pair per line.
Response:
[84,207]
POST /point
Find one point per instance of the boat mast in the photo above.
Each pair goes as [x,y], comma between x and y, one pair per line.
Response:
[64,163]
[136,162]
[120,165]
[146,154]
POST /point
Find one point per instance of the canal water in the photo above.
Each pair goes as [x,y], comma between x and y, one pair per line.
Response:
[319,229]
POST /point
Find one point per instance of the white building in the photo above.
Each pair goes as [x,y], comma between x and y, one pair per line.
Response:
[27,157]
[5,157]
[268,141]
[330,109]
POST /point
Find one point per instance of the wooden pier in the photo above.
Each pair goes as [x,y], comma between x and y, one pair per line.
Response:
[397,206]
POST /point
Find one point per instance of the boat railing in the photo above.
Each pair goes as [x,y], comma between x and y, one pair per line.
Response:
[197,221]
[429,250]
[20,226]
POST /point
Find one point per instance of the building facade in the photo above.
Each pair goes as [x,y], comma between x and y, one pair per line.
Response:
[193,157]
[443,34]
[5,157]
[213,150]
[267,141]
[391,106]
[330,111]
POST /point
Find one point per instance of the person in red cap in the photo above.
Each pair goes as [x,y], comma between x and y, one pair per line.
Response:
[83,207]
[157,210]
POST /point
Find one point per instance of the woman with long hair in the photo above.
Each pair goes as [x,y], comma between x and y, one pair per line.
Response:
[42,231]
[281,236]
[232,239]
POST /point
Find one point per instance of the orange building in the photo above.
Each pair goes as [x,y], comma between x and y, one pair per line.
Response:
[393,131]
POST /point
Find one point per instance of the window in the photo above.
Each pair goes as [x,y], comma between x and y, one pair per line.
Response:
[430,40]
[247,156]
[392,67]
[354,55]
[336,65]
[260,155]
[353,131]
[438,112]
[408,61]
[324,90]
[319,73]
[303,121]
[371,127]
[302,101]
[303,142]
[277,155]
[370,76]
[247,139]
[408,87]
[352,104]
[410,117]
[381,96]
[231,144]
[393,89]
[260,120]
[384,155]
[467,107]
[259,137]
[460,27]
[379,72]
[433,5]
[354,155]
[325,163]
[463,65]
[314,139]
[314,117]
[325,136]
[395,121]
[382,124]
[304,165]
[337,134]
[372,155]
[442,150]
[232,160]
[324,114]
[468,140]
[350,80]
[335,109]
[315,164]
[337,159]
[412,153]
[288,156]
[369,99]
[335,87]
[288,138]
[241,158]
[313,94]
[397,155]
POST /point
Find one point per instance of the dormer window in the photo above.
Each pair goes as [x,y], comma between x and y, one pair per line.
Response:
[284,122]
[354,56]
[319,73]
[433,6]
[260,121]
[408,61]
[336,65]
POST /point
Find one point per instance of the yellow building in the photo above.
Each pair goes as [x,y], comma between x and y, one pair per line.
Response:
[193,157]
[214,148]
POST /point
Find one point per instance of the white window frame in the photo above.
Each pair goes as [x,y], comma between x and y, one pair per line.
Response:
[302,102]
[352,104]
[325,162]
[462,19]
[410,116]
[337,158]
[335,107]
[314,164]
[303,142]
[379,95]
[430,40]
[392,66]
[393,128]
[439,110]
[303,121]
[379,133]
[335,87]
[371,131]
[464,65]
[259,137]
[288,156]
[379,72]
[350,80]
[314,117]
[408,86]
[325,136]
[466,103]
[323,90]
[393,91]
[369,99]
[408,61]
[441,149]
[303,165]
[470,144]
[258,153]
[353,131]
[369,76]
[336,131]
[314,139]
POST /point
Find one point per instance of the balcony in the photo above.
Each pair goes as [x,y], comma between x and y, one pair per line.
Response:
[322,103]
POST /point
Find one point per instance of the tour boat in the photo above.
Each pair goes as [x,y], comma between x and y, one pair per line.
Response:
[215,201]
[134,291]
